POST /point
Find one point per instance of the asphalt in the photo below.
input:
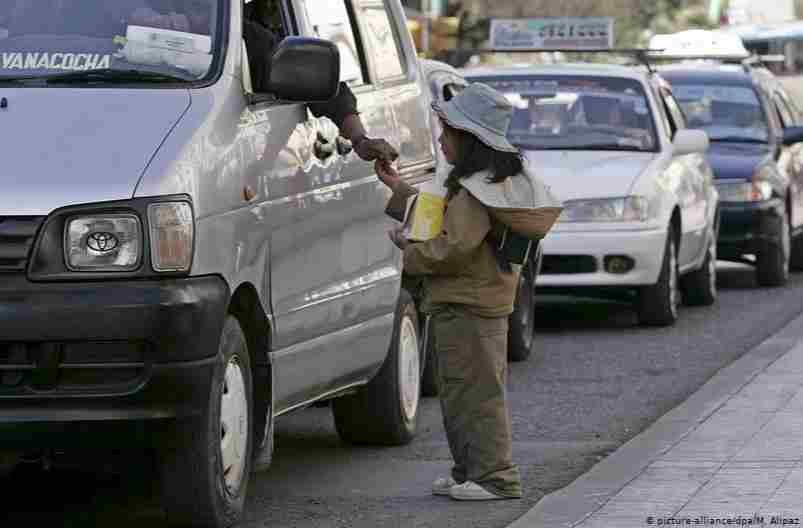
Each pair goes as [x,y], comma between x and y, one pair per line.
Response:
[730,455]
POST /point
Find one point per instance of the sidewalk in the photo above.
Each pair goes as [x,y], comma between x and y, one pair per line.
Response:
[732,451]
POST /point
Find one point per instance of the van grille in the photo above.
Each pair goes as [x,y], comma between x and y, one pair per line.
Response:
[16,238]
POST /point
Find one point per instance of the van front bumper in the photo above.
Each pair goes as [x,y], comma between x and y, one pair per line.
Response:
[111,351]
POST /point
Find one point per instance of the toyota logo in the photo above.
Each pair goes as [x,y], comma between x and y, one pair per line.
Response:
[102,242]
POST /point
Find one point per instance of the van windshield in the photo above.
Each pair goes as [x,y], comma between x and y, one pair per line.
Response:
[174,39]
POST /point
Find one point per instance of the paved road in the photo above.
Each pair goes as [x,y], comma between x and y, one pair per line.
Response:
[600,379]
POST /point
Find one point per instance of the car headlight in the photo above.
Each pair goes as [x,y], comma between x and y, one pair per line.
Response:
[752,191]
[626,209]
[172,233]
[103,243]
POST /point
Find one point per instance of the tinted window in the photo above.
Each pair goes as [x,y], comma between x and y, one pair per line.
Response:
[581,113]
[45,37]
[724,112]
[330,20]
[383,40]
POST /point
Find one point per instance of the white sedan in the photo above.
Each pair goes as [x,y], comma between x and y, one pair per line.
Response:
[641,212]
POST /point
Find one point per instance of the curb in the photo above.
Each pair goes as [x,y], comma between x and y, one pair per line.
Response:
[579,500]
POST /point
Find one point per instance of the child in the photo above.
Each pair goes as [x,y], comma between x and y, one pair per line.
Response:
[470,284]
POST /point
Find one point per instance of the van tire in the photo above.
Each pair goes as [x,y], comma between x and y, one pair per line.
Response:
[658,303]
[521,323]
[384,411]
[194,487]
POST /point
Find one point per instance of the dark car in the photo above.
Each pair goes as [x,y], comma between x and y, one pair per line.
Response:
[756,158]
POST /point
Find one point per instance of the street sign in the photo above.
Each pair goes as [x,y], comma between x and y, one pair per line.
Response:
[580,33]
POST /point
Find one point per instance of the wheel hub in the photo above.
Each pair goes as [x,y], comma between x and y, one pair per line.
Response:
[234,428]
[409,368]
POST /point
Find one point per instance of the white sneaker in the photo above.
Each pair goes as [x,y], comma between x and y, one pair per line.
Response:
[471,491]
[442,485]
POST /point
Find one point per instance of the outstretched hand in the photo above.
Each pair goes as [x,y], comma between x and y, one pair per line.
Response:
[370,149]
[387,174]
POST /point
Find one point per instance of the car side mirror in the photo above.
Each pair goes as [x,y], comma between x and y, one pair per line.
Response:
[689,141]
[792,135]
[305,70]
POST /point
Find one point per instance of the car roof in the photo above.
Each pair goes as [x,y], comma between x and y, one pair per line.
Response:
[586,70]
[709,73]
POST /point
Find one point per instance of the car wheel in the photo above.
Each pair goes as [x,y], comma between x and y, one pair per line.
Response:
[429,378]
[658,303]
[521,323]
[205,476]
[384,411]
[700,286]
[772,264]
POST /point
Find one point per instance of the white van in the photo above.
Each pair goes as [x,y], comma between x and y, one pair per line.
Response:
[192,255]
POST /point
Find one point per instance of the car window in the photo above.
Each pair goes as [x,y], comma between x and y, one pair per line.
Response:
[725,112]
[382,37]
[784,112]
[50,37]
[675,111]
[330,20]
[577,112]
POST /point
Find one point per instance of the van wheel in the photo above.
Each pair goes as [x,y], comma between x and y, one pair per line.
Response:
[772,264]
[700,286]
[658,303]
[429,378]
[384,411]
[521,327]
[205,475]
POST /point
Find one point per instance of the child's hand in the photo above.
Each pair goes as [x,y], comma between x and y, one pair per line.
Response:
[398,239]
[387,174]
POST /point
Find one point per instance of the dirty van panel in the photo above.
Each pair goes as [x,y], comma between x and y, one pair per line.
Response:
[334,273]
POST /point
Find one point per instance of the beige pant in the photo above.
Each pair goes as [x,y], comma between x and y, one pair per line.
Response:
[472,372]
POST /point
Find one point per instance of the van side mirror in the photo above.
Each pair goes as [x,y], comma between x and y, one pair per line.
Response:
[792,135]
[688,141]
[305,70]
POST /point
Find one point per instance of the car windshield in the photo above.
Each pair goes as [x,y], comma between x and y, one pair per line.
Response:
[726,113]
[42,40]
[577,113]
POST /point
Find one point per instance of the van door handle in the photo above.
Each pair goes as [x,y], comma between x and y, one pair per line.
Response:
[323,147]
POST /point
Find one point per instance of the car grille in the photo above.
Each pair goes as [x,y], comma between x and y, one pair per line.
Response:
[568,264]
[59,369]
[16,238]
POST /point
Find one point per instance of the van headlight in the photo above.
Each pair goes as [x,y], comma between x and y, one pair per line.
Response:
[625,209]
[103,243]
[172,232]
[111,240]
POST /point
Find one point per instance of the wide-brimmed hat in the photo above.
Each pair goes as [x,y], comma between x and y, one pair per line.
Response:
[481,111]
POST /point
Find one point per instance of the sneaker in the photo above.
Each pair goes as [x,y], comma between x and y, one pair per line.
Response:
[442,485]
[471,491]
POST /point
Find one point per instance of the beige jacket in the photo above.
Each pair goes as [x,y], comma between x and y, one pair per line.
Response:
[459,265]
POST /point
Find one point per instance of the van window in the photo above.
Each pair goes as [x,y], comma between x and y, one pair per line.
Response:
[330,20]
[384,40]
[128,40]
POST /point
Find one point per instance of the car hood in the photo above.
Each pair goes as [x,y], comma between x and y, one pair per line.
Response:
[576,174]
[736,160]
[74,146]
